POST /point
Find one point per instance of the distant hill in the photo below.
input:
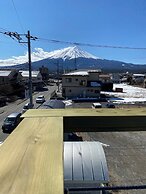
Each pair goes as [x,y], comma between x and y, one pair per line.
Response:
[74,58]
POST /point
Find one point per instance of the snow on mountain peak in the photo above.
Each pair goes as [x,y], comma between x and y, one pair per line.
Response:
[70,53]
[40,54]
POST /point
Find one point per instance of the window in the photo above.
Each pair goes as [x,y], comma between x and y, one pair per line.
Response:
[63,90]
[68,80]
[76,80]
[83,82]
[69,90]
[96,91]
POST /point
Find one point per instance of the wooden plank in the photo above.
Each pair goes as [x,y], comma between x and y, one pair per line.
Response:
[85,112]
[93,120]
[31,158]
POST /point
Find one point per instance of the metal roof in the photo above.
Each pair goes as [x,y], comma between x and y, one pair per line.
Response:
[82,72]
[5,73]
[53,104]
[77,73]
[84,164]
[26,73]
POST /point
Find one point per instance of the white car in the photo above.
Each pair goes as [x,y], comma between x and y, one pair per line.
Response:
[97,105]
[40,99]
[26,107]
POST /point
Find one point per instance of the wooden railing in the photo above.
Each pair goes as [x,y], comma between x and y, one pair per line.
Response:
[31,158]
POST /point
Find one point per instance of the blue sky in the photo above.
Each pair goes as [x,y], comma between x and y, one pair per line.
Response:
[100,22]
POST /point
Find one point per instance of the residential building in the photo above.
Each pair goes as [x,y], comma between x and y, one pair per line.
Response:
[37,81]
[116,77]
[45,73]
[106,82]
[81,83]
[10,82]
[138,78]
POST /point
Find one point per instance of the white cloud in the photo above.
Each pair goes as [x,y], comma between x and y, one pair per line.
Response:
[37,55]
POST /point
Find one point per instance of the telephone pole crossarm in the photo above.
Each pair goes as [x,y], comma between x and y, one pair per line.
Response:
[15,35]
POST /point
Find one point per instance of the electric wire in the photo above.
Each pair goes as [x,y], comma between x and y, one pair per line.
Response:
[91,45]
[18,17]
[3,29]
[4,33]
[86,44]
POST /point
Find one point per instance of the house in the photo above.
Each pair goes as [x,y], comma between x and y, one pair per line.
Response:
[116,77]
[37,81]
[81,83]
[138,78]
[106,82]
[45,73]
[85,83]
[11,82]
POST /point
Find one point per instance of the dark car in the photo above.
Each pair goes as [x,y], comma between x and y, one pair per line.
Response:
[110,105]
[72,137]
[11,122]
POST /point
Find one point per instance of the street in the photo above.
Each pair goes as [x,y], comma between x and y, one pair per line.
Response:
[18,105]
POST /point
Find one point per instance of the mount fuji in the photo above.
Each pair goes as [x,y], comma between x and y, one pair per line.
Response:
[72,58]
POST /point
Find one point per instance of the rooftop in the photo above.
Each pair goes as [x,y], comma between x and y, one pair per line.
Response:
[26,73]
[83,72]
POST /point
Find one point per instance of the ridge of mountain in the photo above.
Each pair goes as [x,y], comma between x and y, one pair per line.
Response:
[71,58]
[70,53]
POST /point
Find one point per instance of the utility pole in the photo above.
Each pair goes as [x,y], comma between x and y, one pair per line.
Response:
[58,75]
[15,35]
[75,61]
[29,63]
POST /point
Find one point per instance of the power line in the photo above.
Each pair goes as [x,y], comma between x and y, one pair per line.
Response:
[91,45]
[54,41]
[8,33]
[5,34]
[18,17]
[3,29]
[18,37]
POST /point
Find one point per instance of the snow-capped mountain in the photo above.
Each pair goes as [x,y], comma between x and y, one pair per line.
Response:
[70,53]
[69,58]
[72,58]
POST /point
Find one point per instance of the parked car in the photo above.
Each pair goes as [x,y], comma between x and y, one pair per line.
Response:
[110,105]
[97,105]
[40,99]
[26,107]
[11,122]
[72,137]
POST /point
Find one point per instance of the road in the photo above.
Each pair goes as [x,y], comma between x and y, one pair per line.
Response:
[18,105]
